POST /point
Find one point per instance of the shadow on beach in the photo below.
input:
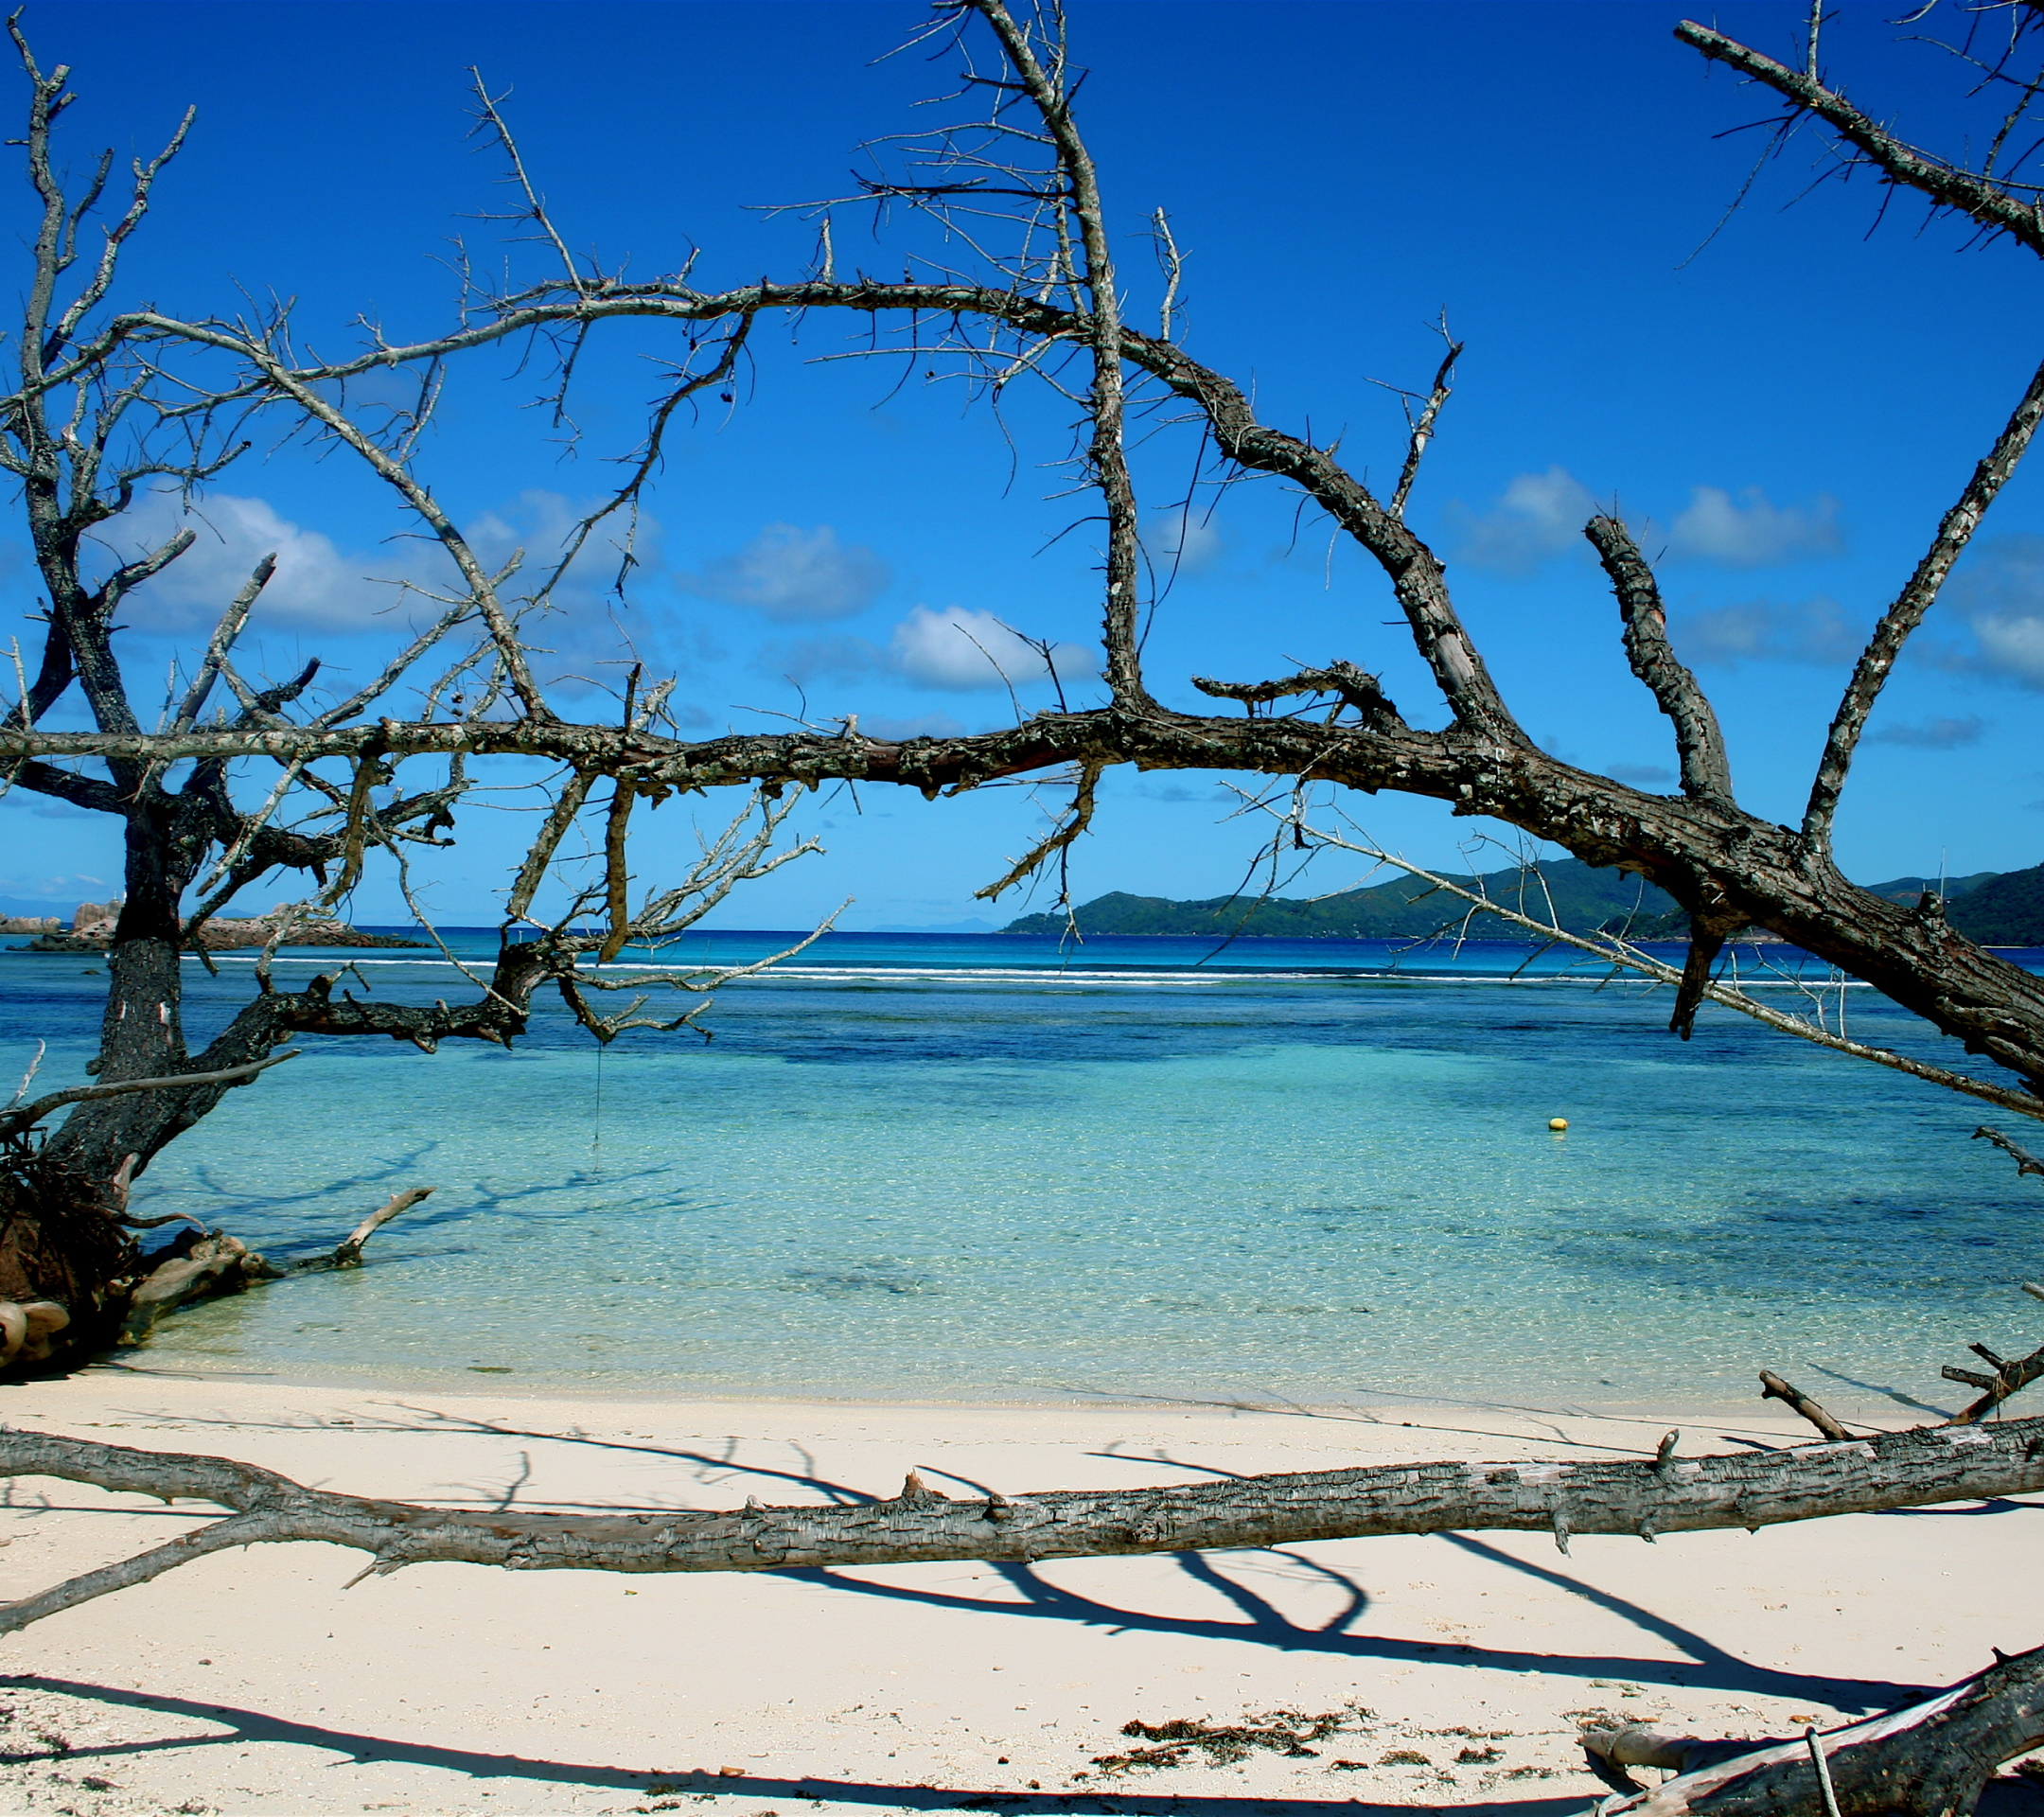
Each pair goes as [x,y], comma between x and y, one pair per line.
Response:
[682,1786]
[1702,1665]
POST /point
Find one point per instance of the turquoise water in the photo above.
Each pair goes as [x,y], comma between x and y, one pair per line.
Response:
[966,1168]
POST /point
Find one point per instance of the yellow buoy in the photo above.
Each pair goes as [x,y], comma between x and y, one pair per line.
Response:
[1557,1123]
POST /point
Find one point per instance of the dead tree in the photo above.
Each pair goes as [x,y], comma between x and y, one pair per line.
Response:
[1021,288]
[98,416]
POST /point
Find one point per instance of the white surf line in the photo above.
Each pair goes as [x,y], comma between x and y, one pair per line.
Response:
[969,974]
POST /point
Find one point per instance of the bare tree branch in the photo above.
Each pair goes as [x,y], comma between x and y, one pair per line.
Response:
[13,1121]
[1706,773]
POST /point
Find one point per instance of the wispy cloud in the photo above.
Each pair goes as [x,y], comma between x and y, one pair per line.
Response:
[588,632]
[835,657]
[963,650]
[1184,542]
[1638,773]
[316,589]
[793,575]
[1765,630]
[1750,531]
[1998,595]
[1933,734]
[919,725]
[1538,515]
[955,650]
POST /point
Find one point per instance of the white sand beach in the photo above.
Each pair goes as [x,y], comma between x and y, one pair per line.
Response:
[256,1681]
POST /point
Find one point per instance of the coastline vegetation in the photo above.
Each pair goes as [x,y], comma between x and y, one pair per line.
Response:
[1577,897]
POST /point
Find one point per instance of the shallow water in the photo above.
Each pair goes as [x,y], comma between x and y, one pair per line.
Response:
[964,1168]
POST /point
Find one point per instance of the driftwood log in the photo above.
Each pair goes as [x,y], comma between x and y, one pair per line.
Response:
[1640,1500]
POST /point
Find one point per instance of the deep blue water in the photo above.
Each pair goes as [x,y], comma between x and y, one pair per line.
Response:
[968,1167]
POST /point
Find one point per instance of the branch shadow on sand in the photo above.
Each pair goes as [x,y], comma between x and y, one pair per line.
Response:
[243,1727]
[1699,1664]
[1708,1666]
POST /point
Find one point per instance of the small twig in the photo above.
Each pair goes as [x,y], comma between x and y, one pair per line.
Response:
[2025,1161]
[349,1253]
[1173,262]
[1422,430]
[1057,841]
[1773,1388]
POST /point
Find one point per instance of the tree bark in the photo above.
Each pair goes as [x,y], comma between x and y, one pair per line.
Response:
[1927,1759]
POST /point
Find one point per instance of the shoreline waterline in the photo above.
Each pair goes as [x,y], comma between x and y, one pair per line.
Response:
[1761,1417]
[136,1392]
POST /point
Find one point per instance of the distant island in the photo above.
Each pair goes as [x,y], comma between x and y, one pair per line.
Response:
[93,922]
[1999,908]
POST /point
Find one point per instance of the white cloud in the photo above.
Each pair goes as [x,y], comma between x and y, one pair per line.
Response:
[319,587]
[789,573]
[315,589]
[541,523]
[1184,542]
[960,649]
[1538,515]
[1935,734]
[1998,593]
[585,635]
[2012,645]
[1765,630]
[1750,532]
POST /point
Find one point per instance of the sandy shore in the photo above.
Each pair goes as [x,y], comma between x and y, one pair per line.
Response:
[255,1682]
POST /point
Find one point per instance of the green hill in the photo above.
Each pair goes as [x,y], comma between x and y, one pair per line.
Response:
[1995,908]
[2003,908]
[2007,910]
[1582,897]
[1907,890]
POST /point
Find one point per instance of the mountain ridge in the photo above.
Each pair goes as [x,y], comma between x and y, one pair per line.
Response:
[1584,898]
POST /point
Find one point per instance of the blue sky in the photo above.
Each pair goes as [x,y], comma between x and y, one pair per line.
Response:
[1783,414]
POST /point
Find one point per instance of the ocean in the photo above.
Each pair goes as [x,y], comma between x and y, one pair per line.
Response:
[963,1168]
